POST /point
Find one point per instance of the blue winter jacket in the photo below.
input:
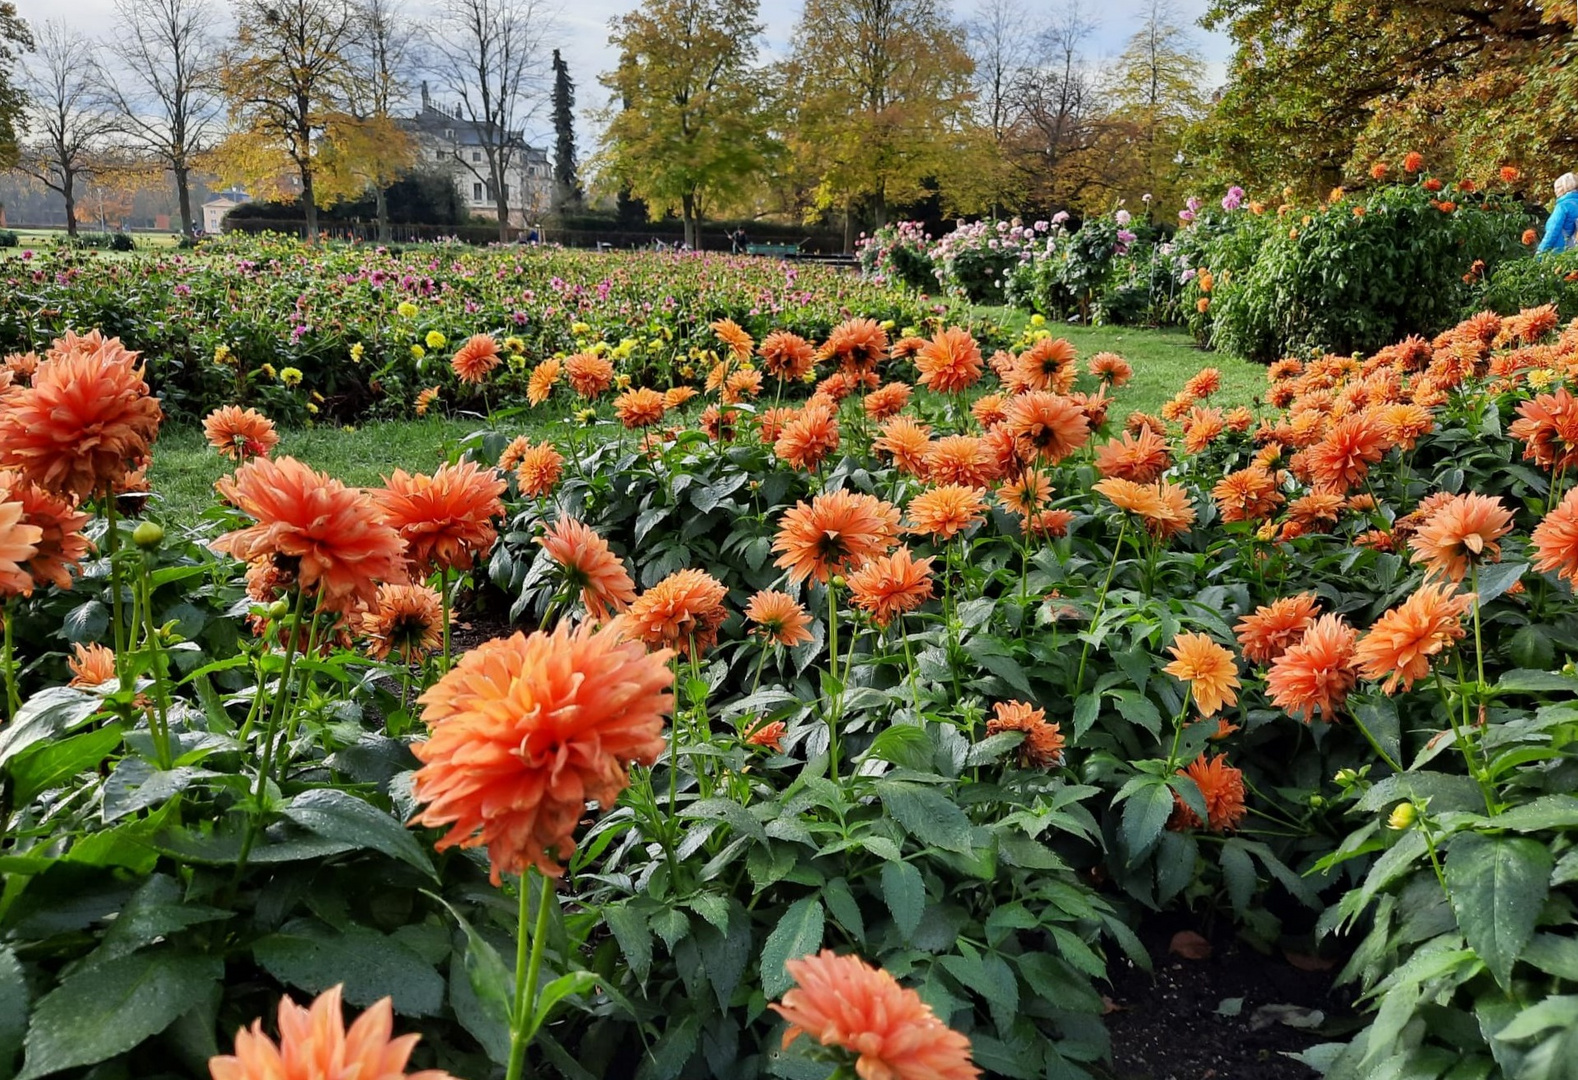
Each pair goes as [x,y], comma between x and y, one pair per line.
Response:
[1561,226]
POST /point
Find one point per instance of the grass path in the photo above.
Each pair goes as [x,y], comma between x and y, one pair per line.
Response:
[185,467]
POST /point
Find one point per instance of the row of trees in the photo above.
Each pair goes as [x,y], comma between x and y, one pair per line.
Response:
[893,102]
[305,101]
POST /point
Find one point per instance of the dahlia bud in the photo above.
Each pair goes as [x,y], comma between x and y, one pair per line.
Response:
[148,535]
[1345,777]
[278,609]
[1403,815]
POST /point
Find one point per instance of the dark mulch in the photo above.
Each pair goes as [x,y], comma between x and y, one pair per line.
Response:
[1169,1024]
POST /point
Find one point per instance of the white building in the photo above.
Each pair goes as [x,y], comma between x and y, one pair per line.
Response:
[215,209]
[448,143]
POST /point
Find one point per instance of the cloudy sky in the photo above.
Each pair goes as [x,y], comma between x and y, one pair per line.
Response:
[582,28]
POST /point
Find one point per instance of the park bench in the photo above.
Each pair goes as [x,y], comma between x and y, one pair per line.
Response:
[772,249]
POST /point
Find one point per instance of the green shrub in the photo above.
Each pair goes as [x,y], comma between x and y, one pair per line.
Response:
[1350,275]
[8,238]
[1526,283]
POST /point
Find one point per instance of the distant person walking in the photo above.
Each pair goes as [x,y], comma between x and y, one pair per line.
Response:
[738,242]
[1562,225]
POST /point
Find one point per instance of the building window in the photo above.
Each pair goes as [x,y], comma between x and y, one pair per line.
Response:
[476,192]
[438,155]
[506,193]
[476,155]
[449,133]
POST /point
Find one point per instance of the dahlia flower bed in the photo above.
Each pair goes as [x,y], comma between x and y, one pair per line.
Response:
[846,737]
[350,332]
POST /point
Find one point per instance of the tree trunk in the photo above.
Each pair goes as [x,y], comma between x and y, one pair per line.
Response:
[381,201]
[309,206]
[849,227]
[501,201]
[687,203]
[879,208]
[68,190]
[183,198]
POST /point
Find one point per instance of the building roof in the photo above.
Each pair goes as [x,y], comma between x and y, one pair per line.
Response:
[438,123]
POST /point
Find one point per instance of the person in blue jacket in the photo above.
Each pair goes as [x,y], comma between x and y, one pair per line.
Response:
[1562,225]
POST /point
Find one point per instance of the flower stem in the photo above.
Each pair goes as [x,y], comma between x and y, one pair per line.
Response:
[255,817]
[527,968]
[832,668]
[112,541]
[1101,603]
[443,600]
[12,700]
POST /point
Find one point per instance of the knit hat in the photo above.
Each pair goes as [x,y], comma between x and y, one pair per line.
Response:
[1566,182]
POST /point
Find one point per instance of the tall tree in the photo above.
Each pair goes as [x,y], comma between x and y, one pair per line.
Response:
[15,39]
[1158,89]
[1316,90]
[876,91]
[1002,42]
[488,54]
[1058,116]
[286,77]
[68,119]
[375,151]
[164,88]
[692,129]
[566,179]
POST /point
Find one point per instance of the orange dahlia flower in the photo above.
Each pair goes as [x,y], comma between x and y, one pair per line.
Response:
[1247,495]
[590,566]
[404,619]
[84,423]
[1555,540]
[91,665]
[960,459]
[856,343]
[1111,369]
[893,1035]
[1048,426]
[590,375]
[683,612]
[424,400]
[1042,747]
[1462,533]
[446,519]
[1025,493]
[769,735]
[734,336]
[527,731]
[1547,425]
[946,511]
[314,1045]
[989,410]
[1141,459]
[1204,383]
[770,422]
[61,545]
[1138,499]
[907,441]
[1266,634]
[539,470]
[675,396]
[1223,789]
[1207,668]
[888,585]
[742,384]
[476,358]
[639,408]
[1315,674]
[1201,427]
[779,618]
[786,355]
[888,401]
[1052,523]
[838,530]
[1316,507]
[333,535]
[808,437]
[239,433]
[950,362]
[543,379]
[1342,459]
[1046,365]
[1405,423]
[1403,642]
